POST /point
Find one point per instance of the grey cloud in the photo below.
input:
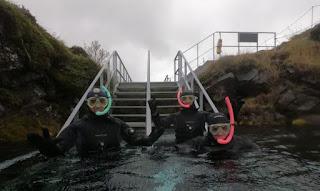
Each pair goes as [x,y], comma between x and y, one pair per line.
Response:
[164,27]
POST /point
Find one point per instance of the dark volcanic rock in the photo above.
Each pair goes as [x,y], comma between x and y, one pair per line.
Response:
[315,33]
[297,102]
[252,83]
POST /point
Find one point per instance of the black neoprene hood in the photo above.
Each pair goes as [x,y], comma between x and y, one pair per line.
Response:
[96,92]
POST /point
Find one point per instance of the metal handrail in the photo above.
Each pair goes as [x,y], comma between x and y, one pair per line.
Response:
[182,75]
[114,55]
[214,46]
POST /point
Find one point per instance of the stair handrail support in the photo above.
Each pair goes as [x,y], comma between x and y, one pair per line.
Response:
[182,78]
[106,65]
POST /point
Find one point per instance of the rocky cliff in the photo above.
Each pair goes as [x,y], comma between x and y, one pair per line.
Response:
[40,78]
[279,86]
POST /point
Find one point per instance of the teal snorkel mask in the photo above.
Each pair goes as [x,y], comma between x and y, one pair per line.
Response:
[103,97]
[109,102]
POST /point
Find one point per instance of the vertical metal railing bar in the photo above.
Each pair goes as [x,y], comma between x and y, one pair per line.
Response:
[197,54]
[213,44]
[76,109]
[148,112]
[180,56]
[175,70]
[201,100]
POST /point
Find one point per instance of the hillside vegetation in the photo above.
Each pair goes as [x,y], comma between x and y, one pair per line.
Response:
[40,77]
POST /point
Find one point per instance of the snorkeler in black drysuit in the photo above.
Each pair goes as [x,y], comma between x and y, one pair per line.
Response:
[219,128]
[188,123]
[92,134]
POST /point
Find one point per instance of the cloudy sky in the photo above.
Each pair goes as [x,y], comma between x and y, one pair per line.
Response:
[132,27]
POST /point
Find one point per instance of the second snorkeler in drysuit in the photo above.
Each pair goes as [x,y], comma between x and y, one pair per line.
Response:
[188,122]
[219,128]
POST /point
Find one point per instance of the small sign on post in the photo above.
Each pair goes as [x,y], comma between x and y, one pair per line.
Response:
[247,37]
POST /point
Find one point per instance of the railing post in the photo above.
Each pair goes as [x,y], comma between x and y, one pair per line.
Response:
[115,73]
[197,54]
[148,96]
[192,84]
[185,69]
[201,100]
[120,72]
[275,41]
[213,53]
[179,67]
[311,16]
[101,80]
[175,69]
[108,73]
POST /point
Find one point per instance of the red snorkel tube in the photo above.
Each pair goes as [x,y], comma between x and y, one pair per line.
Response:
[183,105]
[228,139]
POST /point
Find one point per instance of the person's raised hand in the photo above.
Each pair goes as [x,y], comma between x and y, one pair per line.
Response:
[45,144]
[153,105]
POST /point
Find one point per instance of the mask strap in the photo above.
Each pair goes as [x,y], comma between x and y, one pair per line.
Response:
[109,102]
[178,96]
[228,139]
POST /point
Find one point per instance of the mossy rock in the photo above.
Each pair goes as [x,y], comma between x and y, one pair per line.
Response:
[14,128]
[8,97]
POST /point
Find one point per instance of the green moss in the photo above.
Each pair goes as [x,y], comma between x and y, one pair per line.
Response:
[15,128]
[9,97]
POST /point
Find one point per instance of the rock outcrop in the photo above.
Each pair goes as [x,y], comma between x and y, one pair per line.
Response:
[276,89]
[39,76]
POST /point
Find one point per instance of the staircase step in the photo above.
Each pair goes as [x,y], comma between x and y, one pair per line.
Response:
[134,117]
[143,94]
[143,89]
[142,101]
[137,115]
[131,89]
[128,107]
[142,109]
[144,84]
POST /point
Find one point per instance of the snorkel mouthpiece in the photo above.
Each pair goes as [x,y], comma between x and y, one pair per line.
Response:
[109,102]
[228,139]
[179,100]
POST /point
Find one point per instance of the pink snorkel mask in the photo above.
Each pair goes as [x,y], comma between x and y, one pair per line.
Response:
[179,100]
[228,139]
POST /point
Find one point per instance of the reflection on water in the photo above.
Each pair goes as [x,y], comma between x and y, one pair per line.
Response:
[289,160]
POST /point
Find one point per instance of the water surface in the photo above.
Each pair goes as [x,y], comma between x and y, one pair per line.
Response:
[289,160]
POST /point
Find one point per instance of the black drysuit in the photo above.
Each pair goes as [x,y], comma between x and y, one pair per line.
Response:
[209,144]
[188,123]
[92,134]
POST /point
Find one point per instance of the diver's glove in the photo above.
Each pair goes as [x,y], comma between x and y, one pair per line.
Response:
[46,145]
[153,106]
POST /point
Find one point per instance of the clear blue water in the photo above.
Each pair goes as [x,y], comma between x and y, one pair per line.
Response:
[289,160]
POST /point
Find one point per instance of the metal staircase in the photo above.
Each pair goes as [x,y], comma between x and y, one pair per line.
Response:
[129,101]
